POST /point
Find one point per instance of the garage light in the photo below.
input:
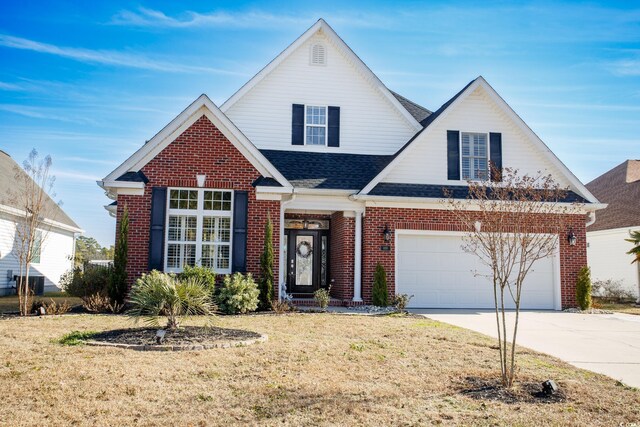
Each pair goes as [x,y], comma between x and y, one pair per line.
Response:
[571,237]
[386,233]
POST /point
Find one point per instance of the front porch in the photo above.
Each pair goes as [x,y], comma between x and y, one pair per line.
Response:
[321,250]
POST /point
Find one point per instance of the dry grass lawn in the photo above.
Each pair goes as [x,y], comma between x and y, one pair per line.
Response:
[628,308]
[9,304]
[316,369]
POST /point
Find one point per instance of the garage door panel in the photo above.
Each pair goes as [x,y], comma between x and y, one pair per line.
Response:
[439,274]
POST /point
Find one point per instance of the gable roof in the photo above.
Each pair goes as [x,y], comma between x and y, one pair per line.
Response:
[8,168]
[322,26]
[620,189]
[578,187]
[343,171]
[417,111]
[128,173]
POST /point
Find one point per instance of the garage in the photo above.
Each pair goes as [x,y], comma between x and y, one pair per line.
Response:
[433,268]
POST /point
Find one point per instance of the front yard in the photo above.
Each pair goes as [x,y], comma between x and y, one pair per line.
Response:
[315,369]
[620,307]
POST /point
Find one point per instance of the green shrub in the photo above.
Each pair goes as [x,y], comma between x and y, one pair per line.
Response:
[202,274]
[323,298]
[266,268]
[583,288]
[156,295]
[117,284]
[380,294]
[79,282]
[238,294]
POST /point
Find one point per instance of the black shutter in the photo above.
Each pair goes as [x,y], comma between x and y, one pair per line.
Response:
[495,155]
[297,124]
[156,234]
[333,139]
[453,155]
[240,214]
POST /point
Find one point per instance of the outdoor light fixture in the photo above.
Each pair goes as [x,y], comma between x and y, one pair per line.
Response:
[200,179]
[386,233]
[571,237]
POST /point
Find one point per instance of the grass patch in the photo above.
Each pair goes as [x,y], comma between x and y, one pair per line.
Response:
[318,369]
[76,337]
[620,307]
[10,303]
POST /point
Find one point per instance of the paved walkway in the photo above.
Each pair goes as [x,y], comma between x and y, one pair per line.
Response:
[605,343]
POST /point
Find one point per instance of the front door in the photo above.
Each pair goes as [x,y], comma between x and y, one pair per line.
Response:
[306,260]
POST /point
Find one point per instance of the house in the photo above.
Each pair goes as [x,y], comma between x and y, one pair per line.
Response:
[54,246]
[351,174]
[606,245]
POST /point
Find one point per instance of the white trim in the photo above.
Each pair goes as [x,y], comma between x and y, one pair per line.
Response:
[555,258]
[613,230]
[481,82]
[121,184]
[49,222]
[199,213]
[201,106]
[322,26]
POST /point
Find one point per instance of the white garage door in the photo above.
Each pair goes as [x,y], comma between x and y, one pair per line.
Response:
[439,274]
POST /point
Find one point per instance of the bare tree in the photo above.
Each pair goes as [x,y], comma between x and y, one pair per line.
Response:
[511,223]
[31,197]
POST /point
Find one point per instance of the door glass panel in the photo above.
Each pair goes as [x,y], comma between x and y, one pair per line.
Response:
[323,262]
[304,261]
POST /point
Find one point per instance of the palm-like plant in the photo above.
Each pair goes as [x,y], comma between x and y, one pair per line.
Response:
[156,295]
[635,251]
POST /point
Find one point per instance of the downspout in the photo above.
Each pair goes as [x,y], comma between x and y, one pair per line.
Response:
[283,268]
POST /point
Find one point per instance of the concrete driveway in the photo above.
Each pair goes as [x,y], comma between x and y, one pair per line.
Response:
[605,343]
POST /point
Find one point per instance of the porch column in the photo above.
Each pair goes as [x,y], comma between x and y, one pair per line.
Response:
[357,259]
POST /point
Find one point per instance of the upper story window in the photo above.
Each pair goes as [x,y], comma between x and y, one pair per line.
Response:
[474,156]
[199,229]
[318,54]
[37,247]
[315,125]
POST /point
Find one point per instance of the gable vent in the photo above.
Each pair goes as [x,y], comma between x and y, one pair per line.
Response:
[318,55]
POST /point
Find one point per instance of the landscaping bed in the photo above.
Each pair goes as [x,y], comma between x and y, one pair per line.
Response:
[315,369]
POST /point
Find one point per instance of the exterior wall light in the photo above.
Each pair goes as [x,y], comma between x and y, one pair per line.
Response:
[386,233]
[571,237]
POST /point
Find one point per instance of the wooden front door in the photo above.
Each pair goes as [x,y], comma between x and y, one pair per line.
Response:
[307,260]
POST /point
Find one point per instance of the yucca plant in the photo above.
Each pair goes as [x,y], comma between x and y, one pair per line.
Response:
[635,251]
[156,295]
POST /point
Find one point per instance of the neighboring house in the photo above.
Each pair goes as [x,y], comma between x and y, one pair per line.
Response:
[606,245]
[351,174]
[54,247]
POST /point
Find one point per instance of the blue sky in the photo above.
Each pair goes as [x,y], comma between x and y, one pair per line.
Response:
[89,82]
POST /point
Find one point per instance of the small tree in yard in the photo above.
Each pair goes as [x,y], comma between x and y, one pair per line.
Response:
[380,294]
[510,225]
[118,279]
[583,288]
[266,268]
[32,196]
[635,251]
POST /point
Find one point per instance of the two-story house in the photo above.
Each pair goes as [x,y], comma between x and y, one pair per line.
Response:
[350,173]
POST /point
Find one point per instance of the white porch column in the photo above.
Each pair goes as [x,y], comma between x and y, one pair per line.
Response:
[357,259]
[281,260]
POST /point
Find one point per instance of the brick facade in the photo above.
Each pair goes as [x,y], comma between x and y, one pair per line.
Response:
[201,149]
[342,251]
[572,258]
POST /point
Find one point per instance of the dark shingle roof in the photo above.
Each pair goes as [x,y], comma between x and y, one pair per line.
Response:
[265,182]
[620,189]
[133,177]
[417,111]
[7,180]
[438,191]
[326,170]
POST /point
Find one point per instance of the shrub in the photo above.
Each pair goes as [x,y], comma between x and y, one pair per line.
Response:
[51,307]
[380,294]
[99,303]
[203,274]
[266,268]
[238,294]
[80,282]
[583,288]
[400,301]
[323,298]
[612,290]
[117,283]
[156,295]
[283,306]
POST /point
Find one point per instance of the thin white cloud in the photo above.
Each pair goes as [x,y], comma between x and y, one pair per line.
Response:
[75,175]
[584,106]
[44,113]
[626,67]
[10,87]
[145,17]
[107,57]
[87,160]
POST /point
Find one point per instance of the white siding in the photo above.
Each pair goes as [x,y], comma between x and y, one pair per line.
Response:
[55,259]
[369,124]
[608,258]
[426,163]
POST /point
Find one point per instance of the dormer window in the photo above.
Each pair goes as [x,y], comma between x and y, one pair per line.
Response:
[318,54]
[315,125]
